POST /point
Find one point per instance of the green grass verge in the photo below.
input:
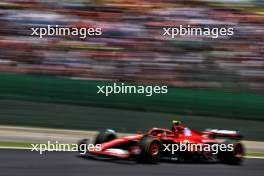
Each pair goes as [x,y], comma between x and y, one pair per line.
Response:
[10,144]
[15,144]
[256,154]
[52,115]
[224,104]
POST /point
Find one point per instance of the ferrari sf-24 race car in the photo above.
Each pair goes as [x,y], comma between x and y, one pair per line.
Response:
[164,144]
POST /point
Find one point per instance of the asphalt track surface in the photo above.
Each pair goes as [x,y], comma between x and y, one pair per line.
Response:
[27,163]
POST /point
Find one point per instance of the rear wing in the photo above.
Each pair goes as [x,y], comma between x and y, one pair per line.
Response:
[223,133]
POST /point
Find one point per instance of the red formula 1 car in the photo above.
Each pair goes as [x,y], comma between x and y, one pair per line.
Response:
[179,143]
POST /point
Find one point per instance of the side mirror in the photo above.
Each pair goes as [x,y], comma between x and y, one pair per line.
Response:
[160,135]
[140,132]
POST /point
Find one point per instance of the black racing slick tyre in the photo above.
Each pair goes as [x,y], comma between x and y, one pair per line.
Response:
[82,145]
[151,149]
[105,136]
[234,157]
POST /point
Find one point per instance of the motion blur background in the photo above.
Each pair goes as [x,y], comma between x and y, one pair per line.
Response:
[51,82]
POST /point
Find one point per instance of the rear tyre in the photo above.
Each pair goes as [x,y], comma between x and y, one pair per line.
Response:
[150,150]
[105,136]
[234,157]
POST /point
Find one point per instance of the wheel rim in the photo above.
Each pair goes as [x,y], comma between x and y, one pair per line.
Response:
[239,151]
[154,149]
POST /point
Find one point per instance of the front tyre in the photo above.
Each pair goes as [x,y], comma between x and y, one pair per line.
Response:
[150,150]
[105,136]
[82,146]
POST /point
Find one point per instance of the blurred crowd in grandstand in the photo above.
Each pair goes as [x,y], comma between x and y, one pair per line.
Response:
[132,46]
